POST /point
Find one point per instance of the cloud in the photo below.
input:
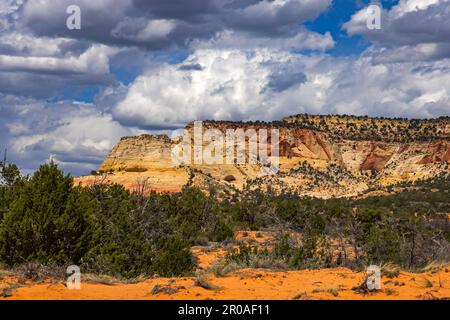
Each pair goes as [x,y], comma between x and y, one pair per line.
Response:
[40,57]
[268,84]
[164,24]
[277,16]
[300,39]
[194,10]
[95,61]
[77,136]
[157,65]
[419,26]
[150,30]
[228,86]
[45,76]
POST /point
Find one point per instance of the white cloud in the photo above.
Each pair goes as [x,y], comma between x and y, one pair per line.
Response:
[71,133]
[156,29]
[301,40]
[228,85]
[236,85]
[241,67]
[265,15]
[94,61]
[410,22]
[406,6]
[32,46]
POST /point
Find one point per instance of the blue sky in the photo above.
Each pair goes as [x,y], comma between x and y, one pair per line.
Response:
[152,66]
[330,21]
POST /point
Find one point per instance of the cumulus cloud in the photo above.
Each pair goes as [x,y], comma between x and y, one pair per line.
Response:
[277,16]
[45,76]
[246,60]
[267,84]
[77,136]
[301,39]
[150,31]
[164,24]
[39,52]
[228,86]
[416,29]
[92,62]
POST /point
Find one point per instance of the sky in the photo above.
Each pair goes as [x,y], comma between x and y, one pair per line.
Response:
[151,66]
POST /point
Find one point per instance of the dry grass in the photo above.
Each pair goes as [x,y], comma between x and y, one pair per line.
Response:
[435,267]
[390,292]
[38,273]
[390,270]
[333,291]
[426,283]
[100,279]
[202,282]
[301,296]
[221,269]
[8,290]
[162,289]
[6,273]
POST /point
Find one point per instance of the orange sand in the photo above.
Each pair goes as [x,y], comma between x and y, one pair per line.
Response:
[207,258]
[252,284]
[245,284]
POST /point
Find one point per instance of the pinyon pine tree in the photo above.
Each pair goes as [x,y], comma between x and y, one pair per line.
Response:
[48,222]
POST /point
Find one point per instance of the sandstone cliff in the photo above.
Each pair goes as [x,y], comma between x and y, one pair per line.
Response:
[320,156]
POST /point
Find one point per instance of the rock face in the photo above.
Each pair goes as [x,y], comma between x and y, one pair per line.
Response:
[134,154]
[319,156]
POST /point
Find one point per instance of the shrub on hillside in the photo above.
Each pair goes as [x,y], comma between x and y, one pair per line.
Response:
[174,258]
[11,181]
[138,234]
[48,222]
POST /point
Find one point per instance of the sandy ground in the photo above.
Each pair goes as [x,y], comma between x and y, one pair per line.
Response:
[162,180]
[252,284]
[243,284]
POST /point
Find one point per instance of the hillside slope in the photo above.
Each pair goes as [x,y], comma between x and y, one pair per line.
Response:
[320,156]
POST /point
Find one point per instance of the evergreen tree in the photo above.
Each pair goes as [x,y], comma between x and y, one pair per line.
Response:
[11,181]
[46,223]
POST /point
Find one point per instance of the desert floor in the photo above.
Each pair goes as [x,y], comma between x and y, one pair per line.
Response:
[241,284]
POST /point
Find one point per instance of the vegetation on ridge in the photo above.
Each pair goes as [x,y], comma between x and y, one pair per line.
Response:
[106,229]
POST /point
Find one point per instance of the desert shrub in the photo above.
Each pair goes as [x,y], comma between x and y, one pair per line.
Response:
[223,268]
[139,235]
[11,181]
[287,253]
[383,244]
[174,258]
[197,216]
[222,232]
[47,223]
[108,230]
[121,248]
[248,256]
[312,252]
[242,255]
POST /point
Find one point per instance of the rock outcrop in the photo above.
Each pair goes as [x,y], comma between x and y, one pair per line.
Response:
[319,156]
